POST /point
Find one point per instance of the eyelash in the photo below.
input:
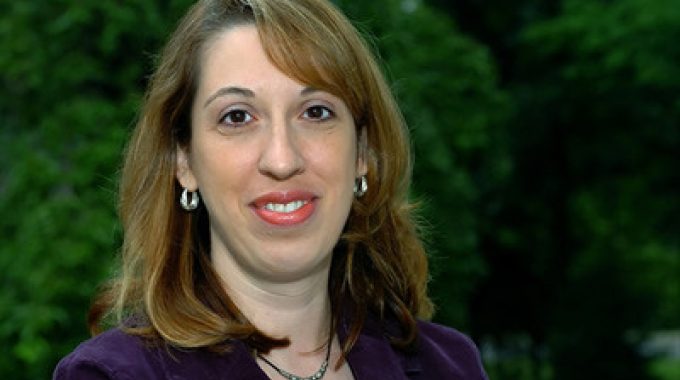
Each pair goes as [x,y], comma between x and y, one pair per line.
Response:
[247,116]
[326,114]
[329,114]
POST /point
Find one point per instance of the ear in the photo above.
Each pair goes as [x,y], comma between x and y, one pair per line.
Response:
[184,174]
[362,152]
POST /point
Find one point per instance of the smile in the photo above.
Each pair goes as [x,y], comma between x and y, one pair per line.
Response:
[285,208]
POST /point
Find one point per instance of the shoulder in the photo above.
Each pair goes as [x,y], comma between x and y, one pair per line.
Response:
[116,355]
[110,355]
[445,351]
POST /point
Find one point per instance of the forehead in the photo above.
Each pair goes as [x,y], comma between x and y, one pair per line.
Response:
[236,56]
[243,50]
[233,51]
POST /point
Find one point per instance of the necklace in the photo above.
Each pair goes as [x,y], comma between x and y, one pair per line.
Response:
[316,376]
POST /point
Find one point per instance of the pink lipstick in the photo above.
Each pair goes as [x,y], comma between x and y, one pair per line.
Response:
[285,208]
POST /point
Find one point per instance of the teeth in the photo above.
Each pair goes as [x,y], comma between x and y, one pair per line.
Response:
[284,208]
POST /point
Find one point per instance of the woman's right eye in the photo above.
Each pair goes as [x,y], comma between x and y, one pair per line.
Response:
[236,118]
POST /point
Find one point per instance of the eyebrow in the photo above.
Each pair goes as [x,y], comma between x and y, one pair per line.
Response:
[232,90]
[309,90]
[229,91]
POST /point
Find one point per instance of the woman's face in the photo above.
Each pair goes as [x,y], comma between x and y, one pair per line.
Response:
[274,161]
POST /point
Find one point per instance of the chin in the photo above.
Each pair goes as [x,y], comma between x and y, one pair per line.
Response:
[292,263]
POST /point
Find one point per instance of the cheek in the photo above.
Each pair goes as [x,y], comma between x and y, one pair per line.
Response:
[220,167]
[334,157]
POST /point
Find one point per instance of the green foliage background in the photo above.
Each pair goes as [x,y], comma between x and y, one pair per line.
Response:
[546,138]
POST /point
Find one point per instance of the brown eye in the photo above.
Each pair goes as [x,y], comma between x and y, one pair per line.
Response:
[318,113]
[236,118]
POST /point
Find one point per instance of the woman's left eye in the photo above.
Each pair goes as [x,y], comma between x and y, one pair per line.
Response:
[318,113]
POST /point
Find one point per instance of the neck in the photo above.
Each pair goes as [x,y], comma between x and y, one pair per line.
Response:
[298,310]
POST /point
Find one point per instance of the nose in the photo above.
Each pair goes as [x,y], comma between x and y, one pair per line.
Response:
[281,157]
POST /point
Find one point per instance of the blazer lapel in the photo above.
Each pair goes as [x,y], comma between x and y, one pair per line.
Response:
[372,357]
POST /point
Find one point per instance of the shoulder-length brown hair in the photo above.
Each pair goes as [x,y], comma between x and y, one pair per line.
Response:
[379,265]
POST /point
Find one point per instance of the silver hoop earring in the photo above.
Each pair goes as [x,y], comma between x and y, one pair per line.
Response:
[184,200]
[360,186]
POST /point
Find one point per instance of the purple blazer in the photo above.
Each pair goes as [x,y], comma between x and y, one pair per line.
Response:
[442,353]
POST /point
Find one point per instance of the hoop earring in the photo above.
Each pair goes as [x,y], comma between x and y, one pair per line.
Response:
[184,200]
[360,186]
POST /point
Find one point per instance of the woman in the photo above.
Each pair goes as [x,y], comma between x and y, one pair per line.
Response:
[267,232]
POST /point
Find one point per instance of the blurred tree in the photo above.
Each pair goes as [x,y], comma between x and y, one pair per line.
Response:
[71,74]
[609,73]
[498,23]
[583,255]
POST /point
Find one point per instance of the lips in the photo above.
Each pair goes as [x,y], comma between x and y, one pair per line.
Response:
[285,208]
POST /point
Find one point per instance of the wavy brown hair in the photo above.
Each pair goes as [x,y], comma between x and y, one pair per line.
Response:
[379,265]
